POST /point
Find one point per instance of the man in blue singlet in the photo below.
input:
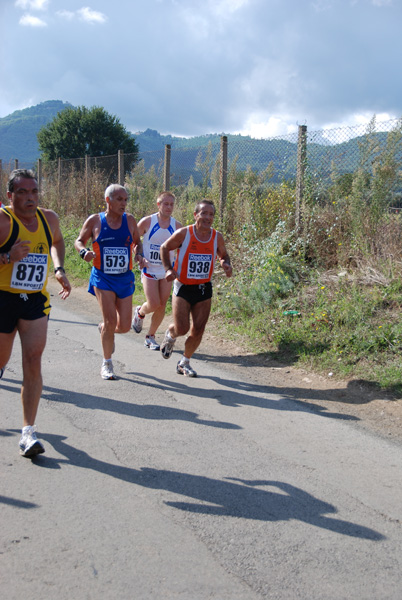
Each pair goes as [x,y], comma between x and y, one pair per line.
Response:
[114,235]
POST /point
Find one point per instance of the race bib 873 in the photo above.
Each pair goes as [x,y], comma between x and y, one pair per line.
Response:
[30,273]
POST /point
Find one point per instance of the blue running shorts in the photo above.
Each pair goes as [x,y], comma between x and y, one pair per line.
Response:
[122,285]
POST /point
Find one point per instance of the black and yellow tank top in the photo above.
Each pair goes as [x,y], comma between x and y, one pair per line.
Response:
[31,273]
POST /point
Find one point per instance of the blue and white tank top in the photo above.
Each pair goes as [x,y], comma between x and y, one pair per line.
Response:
[152,241]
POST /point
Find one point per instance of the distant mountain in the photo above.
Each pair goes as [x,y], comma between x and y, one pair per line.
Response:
[18,139]
[18,133]
[18,130]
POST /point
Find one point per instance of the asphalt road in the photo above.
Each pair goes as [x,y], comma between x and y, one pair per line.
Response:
[156,486]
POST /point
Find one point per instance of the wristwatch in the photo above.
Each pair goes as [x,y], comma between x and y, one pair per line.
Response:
[83,252]
[59,269]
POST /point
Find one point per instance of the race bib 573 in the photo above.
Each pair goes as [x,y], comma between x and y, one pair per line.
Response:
[115,260]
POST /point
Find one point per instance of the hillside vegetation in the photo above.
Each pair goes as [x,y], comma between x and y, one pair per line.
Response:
[18,140]
[18,131]
[326,296]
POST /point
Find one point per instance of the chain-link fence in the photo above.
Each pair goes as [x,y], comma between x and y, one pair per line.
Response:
[326,158]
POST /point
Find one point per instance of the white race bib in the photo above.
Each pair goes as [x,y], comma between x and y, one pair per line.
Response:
[115,260]
[199,266]
[30,273]
[154,255]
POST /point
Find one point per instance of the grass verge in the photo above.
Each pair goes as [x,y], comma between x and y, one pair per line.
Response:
[328,322]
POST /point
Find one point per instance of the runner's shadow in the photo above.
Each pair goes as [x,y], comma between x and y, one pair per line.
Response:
[255,395]
[231,497]
[17,503]
[356,392]
[72,322]
[138,411]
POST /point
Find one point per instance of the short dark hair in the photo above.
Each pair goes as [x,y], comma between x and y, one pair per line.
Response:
[204,201]
[19,174]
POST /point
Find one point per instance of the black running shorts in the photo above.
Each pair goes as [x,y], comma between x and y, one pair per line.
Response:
[21,306]
[193,293]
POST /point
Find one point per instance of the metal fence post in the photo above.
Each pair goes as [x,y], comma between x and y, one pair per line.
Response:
[223,176]
[39,175]
[301,167]
[87,167]
[59,181]
[120,167]
[166,170]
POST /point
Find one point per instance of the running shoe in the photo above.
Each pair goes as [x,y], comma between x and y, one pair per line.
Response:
[186,370]
[151,343]
[107,370]
[29,444]
[167,345]
[137,321]
[100,327]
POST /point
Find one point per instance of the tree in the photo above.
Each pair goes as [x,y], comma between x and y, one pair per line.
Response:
[76,132]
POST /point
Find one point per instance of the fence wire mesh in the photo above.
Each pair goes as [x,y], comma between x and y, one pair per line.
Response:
[330,155]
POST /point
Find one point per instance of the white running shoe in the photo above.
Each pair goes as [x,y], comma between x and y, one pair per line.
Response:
[100,327]
[186,370]
[167,345]
[107,370]
[29,444]
[151,343]
[137,321]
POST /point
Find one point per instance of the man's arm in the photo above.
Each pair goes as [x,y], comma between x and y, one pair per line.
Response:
[57,252]
[144,225]
[18,250]
[172,243]
[139,255]
[223,256]
[86,233]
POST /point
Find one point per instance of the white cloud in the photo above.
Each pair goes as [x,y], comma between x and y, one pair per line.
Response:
[246,66]
[32,4]
[355,119]
[257,128]
[91,16]
[65,14]
[196,23]
[225,7]
[31,21]
[209,18]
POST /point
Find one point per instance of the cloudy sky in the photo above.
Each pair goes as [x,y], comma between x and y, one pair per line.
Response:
[191,67]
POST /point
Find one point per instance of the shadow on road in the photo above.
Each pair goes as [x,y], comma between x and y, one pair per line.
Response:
[227,392]
[357,391]
[231,497]
[17,503]
[287,399]
[138,411]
